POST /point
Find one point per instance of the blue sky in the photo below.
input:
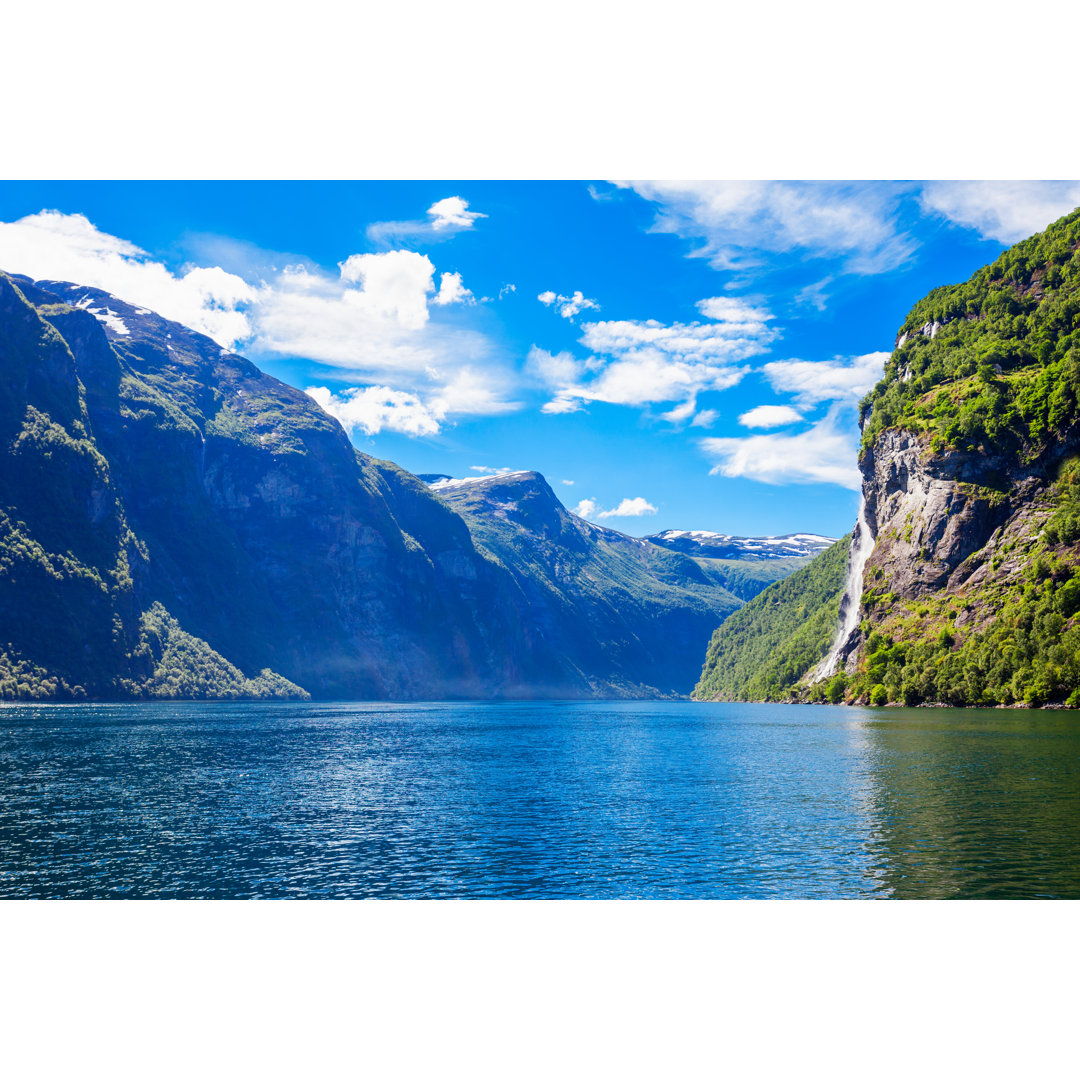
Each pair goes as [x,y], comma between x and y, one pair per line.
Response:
[669,355]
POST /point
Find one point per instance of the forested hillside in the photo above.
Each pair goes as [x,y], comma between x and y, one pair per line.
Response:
[762,651]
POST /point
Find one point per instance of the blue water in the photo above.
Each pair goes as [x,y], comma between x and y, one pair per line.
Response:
[642,799]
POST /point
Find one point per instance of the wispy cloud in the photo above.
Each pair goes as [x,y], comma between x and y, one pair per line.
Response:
[823,454]
[815,381]
[567,306]
[736,223]
[445,218]
[641,362]
[1002,210]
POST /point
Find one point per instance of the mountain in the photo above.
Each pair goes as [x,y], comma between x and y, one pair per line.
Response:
[964,579]
[176,523]
[613,606]
[712,545]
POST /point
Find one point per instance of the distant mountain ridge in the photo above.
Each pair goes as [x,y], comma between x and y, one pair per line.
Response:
[610,603]
[722,546]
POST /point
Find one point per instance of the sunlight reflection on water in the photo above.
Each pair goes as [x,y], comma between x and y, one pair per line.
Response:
[553,799]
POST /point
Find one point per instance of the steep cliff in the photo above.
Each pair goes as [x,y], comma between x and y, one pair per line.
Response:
[970,593]
[144,465]
[970,590]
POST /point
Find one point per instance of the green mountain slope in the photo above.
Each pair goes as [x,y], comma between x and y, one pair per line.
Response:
[143,465]
[762,651]
[972,591]
[618,608]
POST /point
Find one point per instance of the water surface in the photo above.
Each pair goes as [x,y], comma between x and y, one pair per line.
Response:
[553,799]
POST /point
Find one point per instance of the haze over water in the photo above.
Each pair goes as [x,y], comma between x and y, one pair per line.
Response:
[551,799]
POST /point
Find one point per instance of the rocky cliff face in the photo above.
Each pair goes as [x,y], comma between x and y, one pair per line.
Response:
[166,471]
[963,575]
[970,490]
[943,524]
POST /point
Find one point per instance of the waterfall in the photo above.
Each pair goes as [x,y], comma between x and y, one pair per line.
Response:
[862,543]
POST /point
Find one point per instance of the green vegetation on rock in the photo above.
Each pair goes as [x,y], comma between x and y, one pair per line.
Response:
[1014,638]
[971,593]
[184,666]
[762,651]
[993,363]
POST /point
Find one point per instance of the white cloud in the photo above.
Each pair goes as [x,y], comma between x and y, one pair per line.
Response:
[735,221]
[506,290]
[769,416]
[1002,210]
[491,470]
[629,508]
[723,340]
[569,306]
[559,405]
[451,291]
[638,363]
[823,454]
[680,412]
[814,294]
[474,392]
[815,381]
[644,376]
[554,369]
[736,313]
[705,418]
[394,284]
[372,409]
[590,509]
[452,213]
[568,483]
[445,218]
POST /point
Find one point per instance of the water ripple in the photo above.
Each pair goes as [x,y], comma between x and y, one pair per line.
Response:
[549,800]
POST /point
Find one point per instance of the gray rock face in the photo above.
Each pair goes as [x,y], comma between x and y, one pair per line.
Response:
[928,513]
[940,520]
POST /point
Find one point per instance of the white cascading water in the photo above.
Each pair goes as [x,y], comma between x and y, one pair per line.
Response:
[862,543]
